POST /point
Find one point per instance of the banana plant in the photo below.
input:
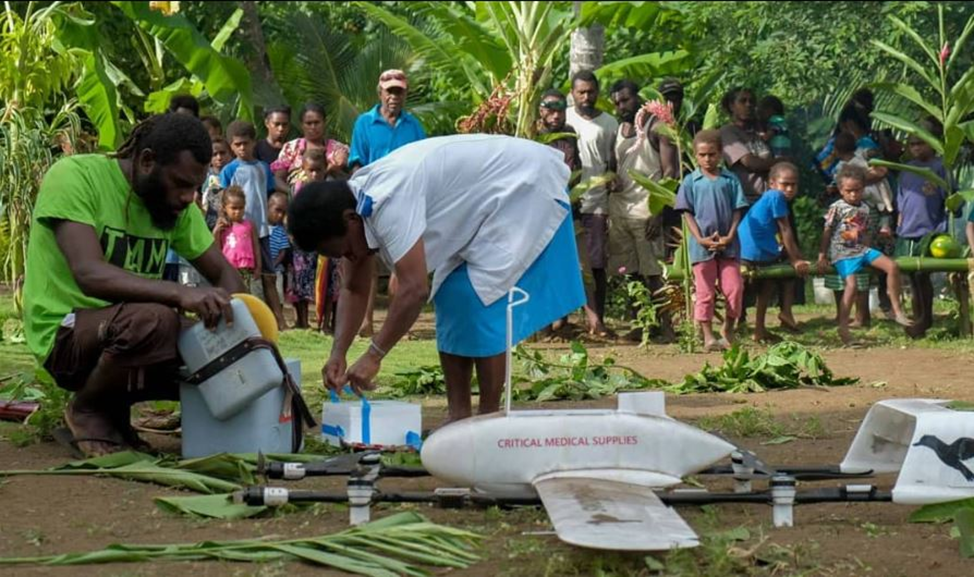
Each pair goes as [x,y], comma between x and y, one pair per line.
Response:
[934,93]
[223,79]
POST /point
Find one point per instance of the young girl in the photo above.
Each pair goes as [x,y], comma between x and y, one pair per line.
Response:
[237,238]
[712,201]
[210,201]
[301,288]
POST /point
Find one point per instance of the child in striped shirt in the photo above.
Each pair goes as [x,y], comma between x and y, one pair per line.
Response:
[279,248]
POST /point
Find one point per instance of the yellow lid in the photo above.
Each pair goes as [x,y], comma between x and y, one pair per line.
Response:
[263,317]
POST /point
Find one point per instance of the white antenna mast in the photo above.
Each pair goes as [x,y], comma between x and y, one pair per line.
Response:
[511,303]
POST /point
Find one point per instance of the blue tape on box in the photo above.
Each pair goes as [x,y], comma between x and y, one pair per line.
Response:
[366,418]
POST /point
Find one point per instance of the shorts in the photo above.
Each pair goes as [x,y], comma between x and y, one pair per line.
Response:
[266,262]
[630,252]
[136,336]
[596,237]
[847,267]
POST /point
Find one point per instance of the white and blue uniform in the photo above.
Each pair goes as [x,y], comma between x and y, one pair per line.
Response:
[493,214]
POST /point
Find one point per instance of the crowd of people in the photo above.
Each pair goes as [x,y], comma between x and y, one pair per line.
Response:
[736,206]
[738,214]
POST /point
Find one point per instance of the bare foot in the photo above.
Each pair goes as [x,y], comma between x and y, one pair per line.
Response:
[94,433]
[845,335]
[902,319]
[765,337]
[366,331]
[788,323]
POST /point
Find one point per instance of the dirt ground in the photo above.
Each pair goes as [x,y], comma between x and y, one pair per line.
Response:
[47,515]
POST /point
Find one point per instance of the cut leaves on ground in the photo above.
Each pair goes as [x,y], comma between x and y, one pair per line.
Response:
[786,365]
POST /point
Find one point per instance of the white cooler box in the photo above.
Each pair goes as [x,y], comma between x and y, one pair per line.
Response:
[257,427]
[386,423]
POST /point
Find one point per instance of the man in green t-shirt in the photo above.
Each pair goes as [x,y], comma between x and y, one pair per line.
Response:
[97,315]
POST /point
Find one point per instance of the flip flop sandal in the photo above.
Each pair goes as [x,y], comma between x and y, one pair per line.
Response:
[64,437]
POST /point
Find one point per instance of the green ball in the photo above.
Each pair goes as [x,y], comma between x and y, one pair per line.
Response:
[944,246]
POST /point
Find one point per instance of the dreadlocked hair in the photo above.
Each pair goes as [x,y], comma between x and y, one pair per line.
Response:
[167,135]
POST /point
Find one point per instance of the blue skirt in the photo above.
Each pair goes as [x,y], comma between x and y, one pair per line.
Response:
[467,328]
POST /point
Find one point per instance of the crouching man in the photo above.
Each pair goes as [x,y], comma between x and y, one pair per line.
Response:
[97,314]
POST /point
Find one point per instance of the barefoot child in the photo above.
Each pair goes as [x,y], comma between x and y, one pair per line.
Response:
[712,200]
[280,245]
[845,243]
[764,221]
[237,237]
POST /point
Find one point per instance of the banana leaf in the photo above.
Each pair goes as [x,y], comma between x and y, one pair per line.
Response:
[940,512]
[400,544]
[226,79]
[661,194]
[220,506]
[964,521]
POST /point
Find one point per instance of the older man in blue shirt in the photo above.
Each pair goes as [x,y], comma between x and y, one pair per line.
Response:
[386,126]
[378,132]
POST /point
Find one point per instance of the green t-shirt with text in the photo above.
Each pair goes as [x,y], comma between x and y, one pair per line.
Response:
[91,189]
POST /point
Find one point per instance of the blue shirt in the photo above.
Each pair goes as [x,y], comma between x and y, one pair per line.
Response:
[712,202]
[921,202]
[373,137]
[759,227]
[257,181]
[279,242]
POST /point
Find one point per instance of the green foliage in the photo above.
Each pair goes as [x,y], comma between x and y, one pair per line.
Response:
[786,365]
[395,545]
[754,43]
[35,69]
[574,378]
[208,507]
[313,64]
[645,308]
[940,512]
[745,422]
[426,380]
[939,87]
[40,387]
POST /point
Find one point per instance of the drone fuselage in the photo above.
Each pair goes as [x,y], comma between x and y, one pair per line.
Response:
[504,453]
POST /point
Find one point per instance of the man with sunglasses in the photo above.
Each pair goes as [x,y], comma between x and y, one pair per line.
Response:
[551,120]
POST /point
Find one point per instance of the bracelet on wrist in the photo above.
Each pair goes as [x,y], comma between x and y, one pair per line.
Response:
[377,349]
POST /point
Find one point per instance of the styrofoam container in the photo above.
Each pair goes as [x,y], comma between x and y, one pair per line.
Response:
[232,389]
[257,427]
[389,424]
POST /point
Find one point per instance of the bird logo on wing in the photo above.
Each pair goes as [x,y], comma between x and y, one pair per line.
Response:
[953,454]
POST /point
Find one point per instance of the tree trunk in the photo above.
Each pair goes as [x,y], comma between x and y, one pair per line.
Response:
[587,46]
[265,88]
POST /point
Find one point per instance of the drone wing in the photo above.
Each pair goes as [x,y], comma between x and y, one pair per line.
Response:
[609,513]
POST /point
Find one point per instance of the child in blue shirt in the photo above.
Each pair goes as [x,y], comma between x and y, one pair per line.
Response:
[760,227]
[711,200]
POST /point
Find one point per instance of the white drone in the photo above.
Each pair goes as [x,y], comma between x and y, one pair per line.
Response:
[606,477]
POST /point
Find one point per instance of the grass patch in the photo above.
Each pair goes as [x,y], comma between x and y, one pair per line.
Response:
[750,422]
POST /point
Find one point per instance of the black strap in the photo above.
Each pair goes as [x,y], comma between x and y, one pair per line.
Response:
[295,408]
